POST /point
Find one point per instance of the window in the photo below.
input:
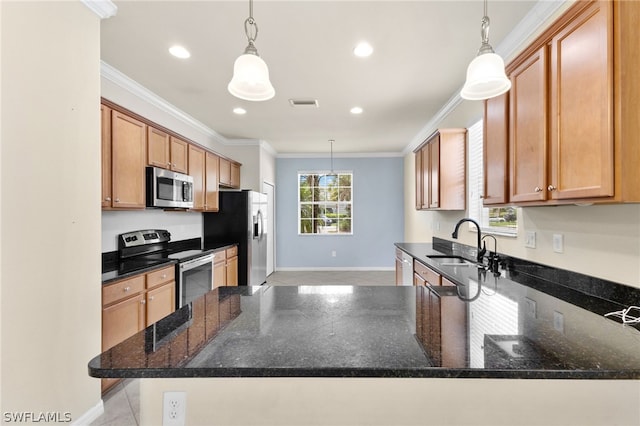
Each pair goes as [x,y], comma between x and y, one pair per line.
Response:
[324,203]
[493,220]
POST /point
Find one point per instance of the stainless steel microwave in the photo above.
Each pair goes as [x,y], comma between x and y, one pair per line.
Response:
[167,189]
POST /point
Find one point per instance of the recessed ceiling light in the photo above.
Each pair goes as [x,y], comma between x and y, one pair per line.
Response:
[363,49]
[239,111]
[179,52]
[356,110]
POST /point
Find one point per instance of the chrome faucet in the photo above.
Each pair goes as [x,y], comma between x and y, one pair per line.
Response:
[494,260]
[481,250]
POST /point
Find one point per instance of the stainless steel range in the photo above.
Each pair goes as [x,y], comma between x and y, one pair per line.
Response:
[194,270]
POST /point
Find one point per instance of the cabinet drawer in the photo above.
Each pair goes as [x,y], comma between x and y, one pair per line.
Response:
[428,274]
[219,256]
[230,252]
[161,276]
[122,289]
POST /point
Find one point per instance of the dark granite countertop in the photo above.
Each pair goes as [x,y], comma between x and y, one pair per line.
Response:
[114,269]
[484,327]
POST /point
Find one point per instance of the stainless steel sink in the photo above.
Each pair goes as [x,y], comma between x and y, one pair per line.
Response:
[444,260]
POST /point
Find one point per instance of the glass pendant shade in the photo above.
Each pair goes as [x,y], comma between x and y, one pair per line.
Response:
[251,79]
[486,78]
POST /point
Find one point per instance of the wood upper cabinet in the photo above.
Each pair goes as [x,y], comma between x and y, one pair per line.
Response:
[581,116]
[495,153]
[105,139]
[528,129]
[197,172]
[211,203]
[158,148]
[179,155]
[128,159]
[573,110]
[441,171]
[165,151]
[229,173]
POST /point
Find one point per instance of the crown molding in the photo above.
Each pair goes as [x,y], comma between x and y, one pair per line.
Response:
[115,76]
[103,8]
[530,26]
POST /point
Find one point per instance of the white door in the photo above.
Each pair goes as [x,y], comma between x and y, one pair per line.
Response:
[269,189]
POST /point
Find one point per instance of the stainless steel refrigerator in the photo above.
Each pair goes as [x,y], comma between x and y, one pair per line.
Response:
[241,219]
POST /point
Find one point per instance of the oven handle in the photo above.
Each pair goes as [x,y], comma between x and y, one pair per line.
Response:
[190,264]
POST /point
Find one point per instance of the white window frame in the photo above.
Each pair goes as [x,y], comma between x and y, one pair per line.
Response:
[476,186]
[349,203]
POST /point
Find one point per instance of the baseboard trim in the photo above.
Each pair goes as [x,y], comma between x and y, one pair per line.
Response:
[333,268]
[91,415]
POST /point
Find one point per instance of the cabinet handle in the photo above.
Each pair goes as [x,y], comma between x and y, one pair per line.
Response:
[108,199]
[551,188]
[117,200]
[143,301]
[151,298]
[538,189]
[164,276]
[169,163]
[126,289]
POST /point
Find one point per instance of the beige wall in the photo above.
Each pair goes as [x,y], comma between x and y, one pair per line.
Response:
[50,170]
[371,401]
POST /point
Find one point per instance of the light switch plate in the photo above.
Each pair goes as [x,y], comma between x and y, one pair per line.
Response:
[530,239]
[558,243]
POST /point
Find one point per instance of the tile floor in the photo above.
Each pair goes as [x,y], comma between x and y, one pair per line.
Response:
[122,404]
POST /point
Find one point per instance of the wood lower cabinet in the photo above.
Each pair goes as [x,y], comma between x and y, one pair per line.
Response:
[132,304]
[126,163]
[225,267]
[441,318]
[441,171]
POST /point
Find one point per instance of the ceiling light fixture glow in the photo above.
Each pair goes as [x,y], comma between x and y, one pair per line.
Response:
[363,50]
[239,111]
[486,77]
[250,73]
[179,52]
[356,110]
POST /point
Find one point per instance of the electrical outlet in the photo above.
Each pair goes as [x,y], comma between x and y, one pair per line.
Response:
[174,409]
[333,253]
[558,322]
[530,239]
[530,307]
[558,243]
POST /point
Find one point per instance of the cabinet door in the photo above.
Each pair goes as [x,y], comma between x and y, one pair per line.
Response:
[122,320]
[434,327]
[434,173]
[161,301]
[495,150]
[196,171]
[582,162]
[179,154]
[235,175]
[225,172]
[528,129]
[211,202]
[219,274]
[158,148]
[128,154]
[426,176]
[232,271]
[105,113]
[452,173]
[419,178]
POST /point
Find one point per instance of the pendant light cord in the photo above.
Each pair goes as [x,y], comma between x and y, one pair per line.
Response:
[331,141]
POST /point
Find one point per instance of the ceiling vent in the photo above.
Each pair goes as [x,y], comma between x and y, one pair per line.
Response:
[304,103]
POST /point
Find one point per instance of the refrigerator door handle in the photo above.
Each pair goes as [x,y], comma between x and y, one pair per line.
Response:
[259,226]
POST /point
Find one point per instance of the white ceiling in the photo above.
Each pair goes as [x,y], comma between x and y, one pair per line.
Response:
[421,51]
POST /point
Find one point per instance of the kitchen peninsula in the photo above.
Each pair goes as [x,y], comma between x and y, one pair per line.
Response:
[333,351]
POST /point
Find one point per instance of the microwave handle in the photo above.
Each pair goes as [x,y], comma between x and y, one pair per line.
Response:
[186,191]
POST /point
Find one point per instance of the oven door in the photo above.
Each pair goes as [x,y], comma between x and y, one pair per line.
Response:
[195,278]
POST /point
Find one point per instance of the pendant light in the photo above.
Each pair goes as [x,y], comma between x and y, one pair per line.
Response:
[485,75]
[250,73]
